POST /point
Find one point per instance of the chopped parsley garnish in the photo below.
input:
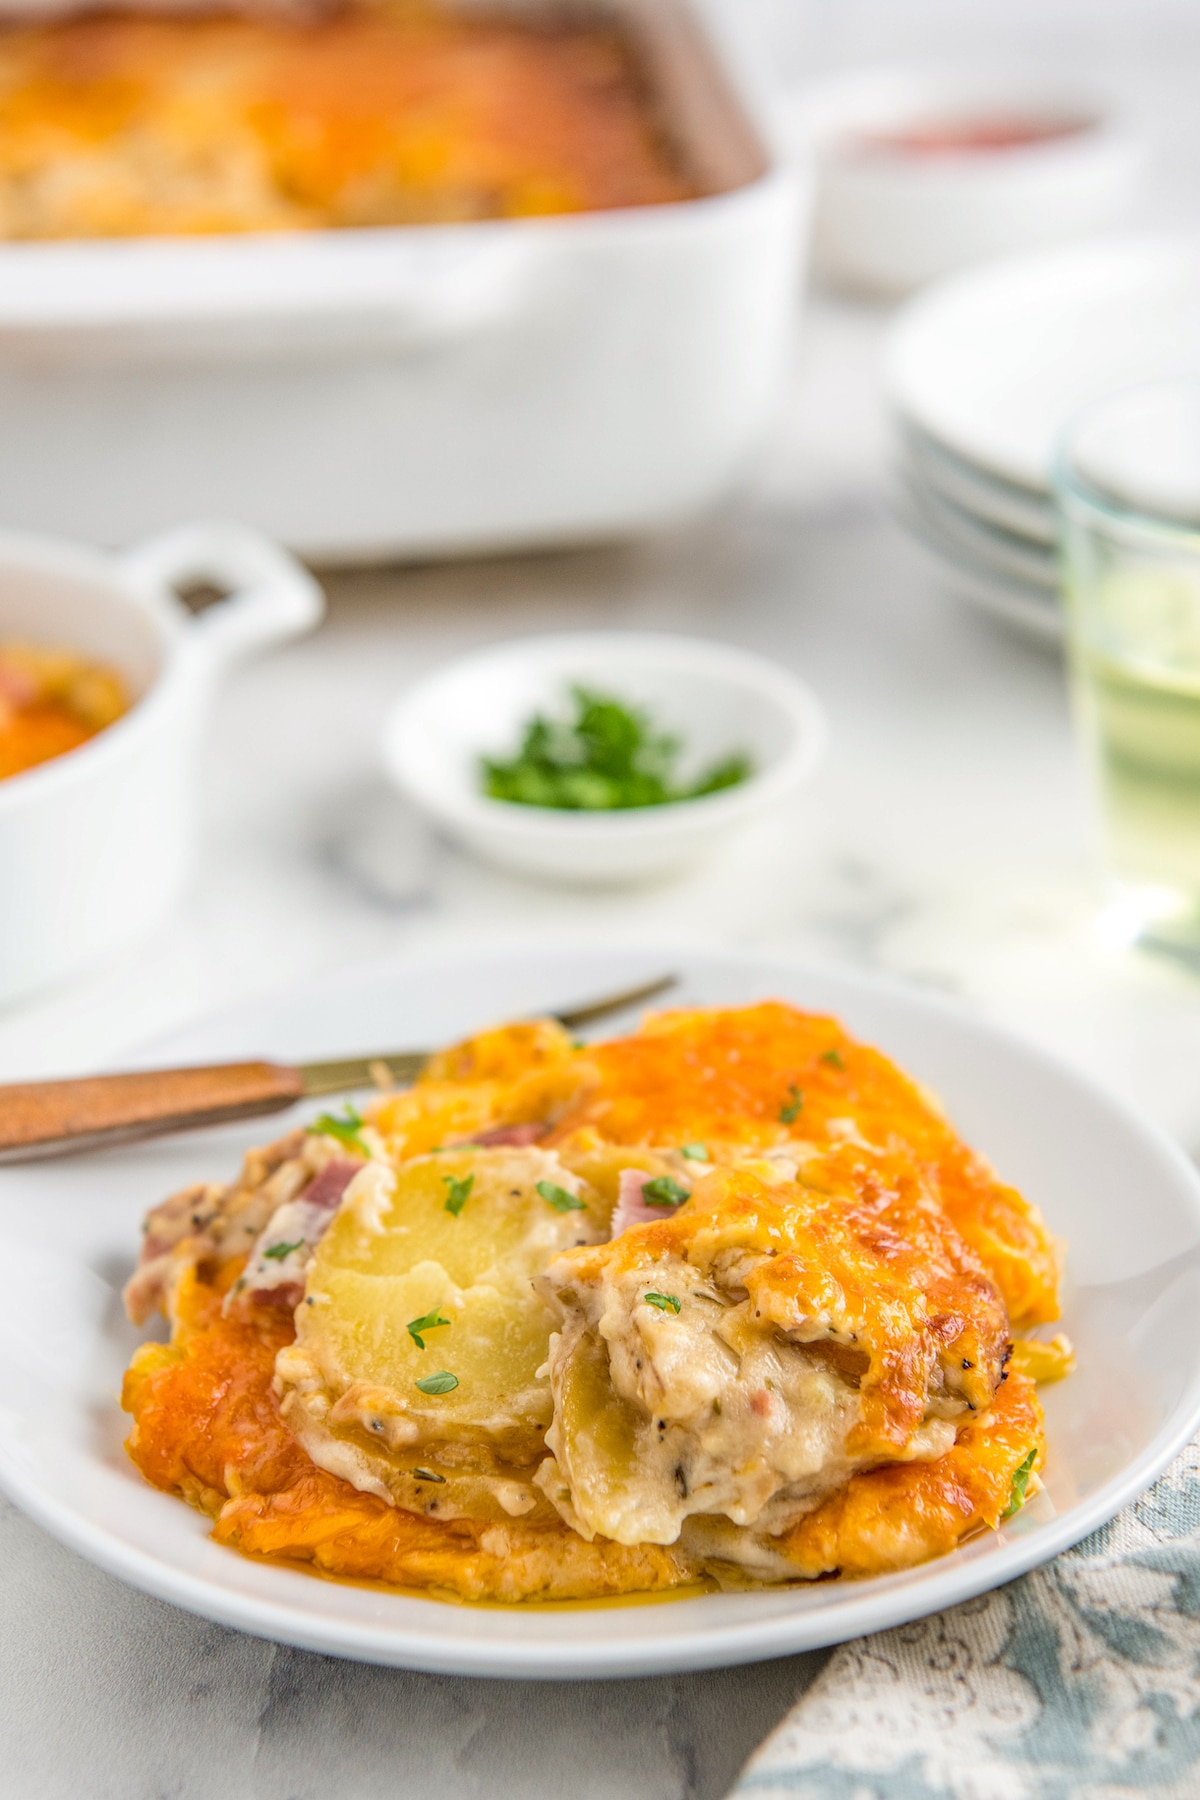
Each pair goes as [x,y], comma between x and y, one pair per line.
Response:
[664,1191]
[458,1192]
[664,1302]
[606,757]
[346,1129]
[558,1197]
[427,1322]
[834,1058]
[694,1152]
[441,1383]
[428,1475]
[790,1112]
[277,1252]
[1020,1482]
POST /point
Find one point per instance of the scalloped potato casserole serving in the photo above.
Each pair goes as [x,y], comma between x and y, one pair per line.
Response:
[725,1300]
[372,112]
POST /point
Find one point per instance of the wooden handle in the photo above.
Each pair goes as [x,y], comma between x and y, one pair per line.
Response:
[48,1118]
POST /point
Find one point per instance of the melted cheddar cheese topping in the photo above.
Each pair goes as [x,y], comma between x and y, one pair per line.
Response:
[726,1299]
[127,124]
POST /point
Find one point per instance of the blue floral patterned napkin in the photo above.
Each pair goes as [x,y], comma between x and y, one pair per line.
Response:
[1081,1681]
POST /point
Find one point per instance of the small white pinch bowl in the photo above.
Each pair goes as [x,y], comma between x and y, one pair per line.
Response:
[888,221]
[717,699]
[95,845]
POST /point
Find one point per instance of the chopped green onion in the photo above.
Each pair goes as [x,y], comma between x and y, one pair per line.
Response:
[694,1152]
[664,1302]
[346,1130]
[441,1383]
[789,1113]
[664,1191]
[1020,1482]
[428,1475]
[427,1322]
[277,1252]
[458,1192]
[558,1198]
[606,757]
[834,1058]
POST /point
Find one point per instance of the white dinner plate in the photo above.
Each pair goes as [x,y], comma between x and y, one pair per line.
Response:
[1032,611]
[995,502]
[1002,553]
[1124,1197]
[992,364]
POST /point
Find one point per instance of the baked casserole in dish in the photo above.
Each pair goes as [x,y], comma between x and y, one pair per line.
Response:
[384,112]
[387,280]
[726,1301]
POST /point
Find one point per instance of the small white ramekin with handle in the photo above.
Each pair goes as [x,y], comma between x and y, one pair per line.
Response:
[96,844]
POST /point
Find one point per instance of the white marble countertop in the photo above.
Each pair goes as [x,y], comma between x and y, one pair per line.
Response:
[946,840]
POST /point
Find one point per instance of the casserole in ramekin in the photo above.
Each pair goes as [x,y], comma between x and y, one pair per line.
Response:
[95,844]
[428,389]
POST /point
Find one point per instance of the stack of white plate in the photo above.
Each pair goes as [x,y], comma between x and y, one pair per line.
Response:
[985,371]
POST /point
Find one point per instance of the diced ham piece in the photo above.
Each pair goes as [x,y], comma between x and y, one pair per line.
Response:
[503,1135]
[327,1188]
[284,1249]
[631,1209]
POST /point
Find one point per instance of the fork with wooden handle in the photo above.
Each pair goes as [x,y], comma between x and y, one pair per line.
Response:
[56,1118]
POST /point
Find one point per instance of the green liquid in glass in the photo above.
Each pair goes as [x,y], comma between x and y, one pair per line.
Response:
[1146,728]
[1137,681]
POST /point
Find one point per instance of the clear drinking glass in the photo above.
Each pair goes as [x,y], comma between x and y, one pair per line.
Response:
[1128,490]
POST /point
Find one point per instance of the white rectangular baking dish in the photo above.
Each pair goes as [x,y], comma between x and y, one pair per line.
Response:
[425,390]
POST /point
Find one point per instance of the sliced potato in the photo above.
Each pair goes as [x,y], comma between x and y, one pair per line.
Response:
[501,1231]
[462,1240]
[492,1343]
[1044,1359]
[595,1440]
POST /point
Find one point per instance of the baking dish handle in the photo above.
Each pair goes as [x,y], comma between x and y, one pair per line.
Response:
[267,596]
[262,302]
